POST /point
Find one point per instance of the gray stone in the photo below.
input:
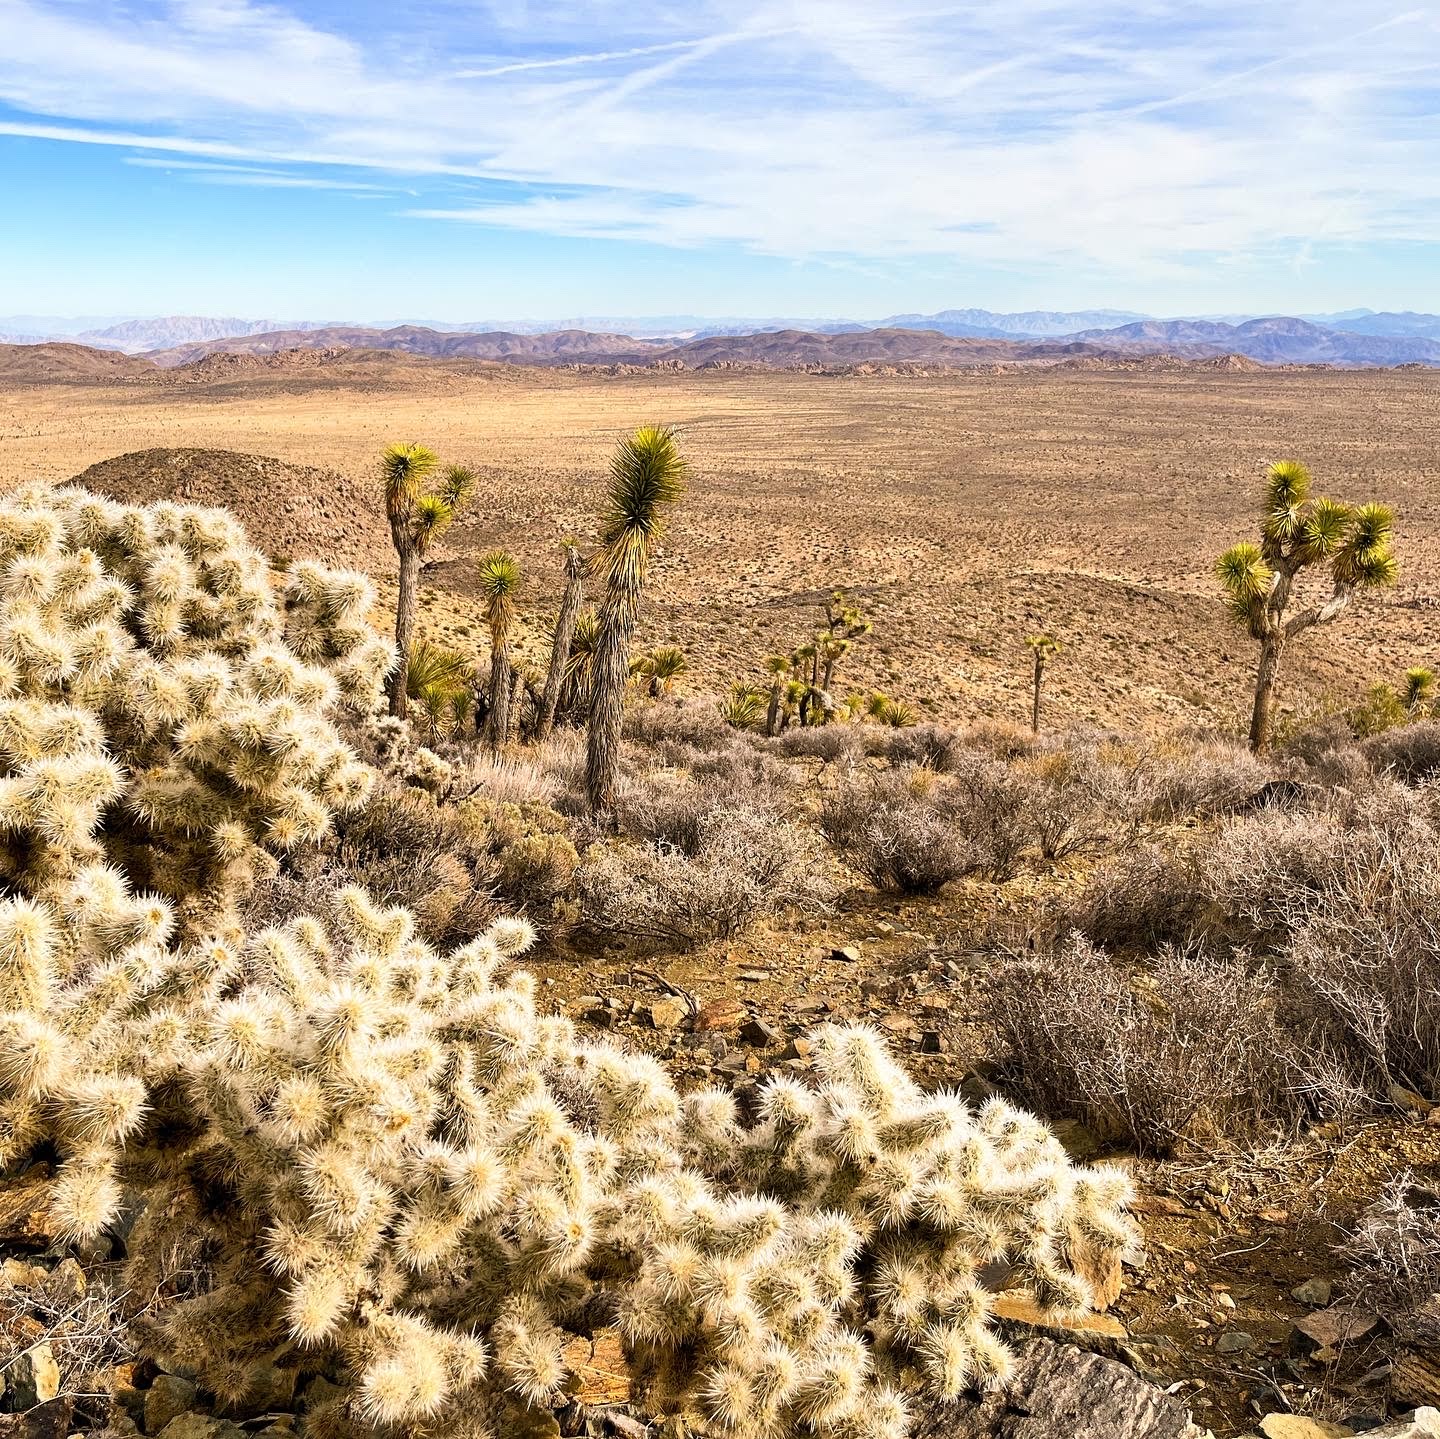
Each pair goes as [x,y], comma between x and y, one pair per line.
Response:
[167,1398]
[1314,1292]
[201,1426]
[1234,1341]
[1059,1392]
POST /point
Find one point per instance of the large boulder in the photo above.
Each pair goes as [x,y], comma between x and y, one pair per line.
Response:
[1060,1392]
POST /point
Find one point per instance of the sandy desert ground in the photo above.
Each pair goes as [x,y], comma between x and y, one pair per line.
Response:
[966,510]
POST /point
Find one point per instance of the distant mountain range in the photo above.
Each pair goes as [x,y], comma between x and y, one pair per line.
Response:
[1362,338]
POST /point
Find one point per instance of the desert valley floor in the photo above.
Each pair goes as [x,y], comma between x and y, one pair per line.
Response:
[966,510]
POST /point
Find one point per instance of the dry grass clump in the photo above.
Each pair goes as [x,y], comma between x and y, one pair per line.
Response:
[1177,779]
[735,866]
[1410,753]
[826,743]
[1187,1048]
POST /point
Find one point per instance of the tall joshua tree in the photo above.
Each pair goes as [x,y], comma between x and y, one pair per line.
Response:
[1042,647]
[499,580]
[419,514]
[647,475]
[1349,544]
[563,638]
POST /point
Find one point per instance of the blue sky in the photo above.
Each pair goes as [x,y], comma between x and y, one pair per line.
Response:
[552,158]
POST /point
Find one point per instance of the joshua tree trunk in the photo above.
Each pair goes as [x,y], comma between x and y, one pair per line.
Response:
[405,606]
[607,703]
[1266,677]
[772,715]
[1035,702]
[499,719]
[517,706]
[564,636]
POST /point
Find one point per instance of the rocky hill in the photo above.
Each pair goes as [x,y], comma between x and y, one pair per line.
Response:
[557,347]
[56,360]
[1276,340]
[296,511]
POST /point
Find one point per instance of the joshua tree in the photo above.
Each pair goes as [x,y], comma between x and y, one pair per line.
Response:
[418,517]
[780,668]
[1350,542]
[1041,648]
[499,579]
[647,475]
[660,668]
[564,637]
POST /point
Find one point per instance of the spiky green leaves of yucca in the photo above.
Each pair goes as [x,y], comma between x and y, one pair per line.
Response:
[647,476]
[1349,544]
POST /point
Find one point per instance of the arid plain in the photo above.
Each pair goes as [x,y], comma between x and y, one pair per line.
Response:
[965,510]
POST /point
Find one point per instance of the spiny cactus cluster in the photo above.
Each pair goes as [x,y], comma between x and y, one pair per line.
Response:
[443,1185]
[150,677]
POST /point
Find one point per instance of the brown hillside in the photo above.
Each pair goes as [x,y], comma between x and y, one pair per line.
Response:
[292,510]
[63,361]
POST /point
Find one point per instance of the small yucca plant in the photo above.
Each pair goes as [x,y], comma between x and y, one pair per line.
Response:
[1349,544]
[499,582]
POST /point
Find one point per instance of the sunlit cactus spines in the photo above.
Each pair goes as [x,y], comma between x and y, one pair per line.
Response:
[444,1185]
[163,706]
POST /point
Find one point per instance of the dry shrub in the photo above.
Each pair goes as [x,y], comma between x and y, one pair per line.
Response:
[531,851]
[1175,780]
[1247,883]
[503,780]
[827,743]
[1394,1253]
[1365,956]
[404,848]
[742,866]
[930,745]
[1085,798]
[1410,753]
[894,829]
[1187,1049]
[691,721]
[994,804]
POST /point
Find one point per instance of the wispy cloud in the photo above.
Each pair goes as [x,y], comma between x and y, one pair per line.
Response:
[1112,137]
[209,172]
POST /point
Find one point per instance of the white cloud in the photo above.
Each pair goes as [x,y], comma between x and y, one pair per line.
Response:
[1116,137]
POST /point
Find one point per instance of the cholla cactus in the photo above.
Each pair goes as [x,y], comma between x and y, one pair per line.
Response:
[443,1185]
[150,675]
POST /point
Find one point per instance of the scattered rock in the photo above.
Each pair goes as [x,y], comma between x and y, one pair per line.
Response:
[51,1420]
[166,1399]
[201,1426]
[1314,1292]
[1234,1341]
[753,976]
[755,1031]
[931,1042]
[798,1048]
[721,1014]
[65,1284]
[599,1372]
[1297,1426]
[1335,1327]
[31,1379]
[25,1212]
[1059,1392]
[666,1014]
[1424,1423]
[1020,1308]
[600,1016]
[846,954]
